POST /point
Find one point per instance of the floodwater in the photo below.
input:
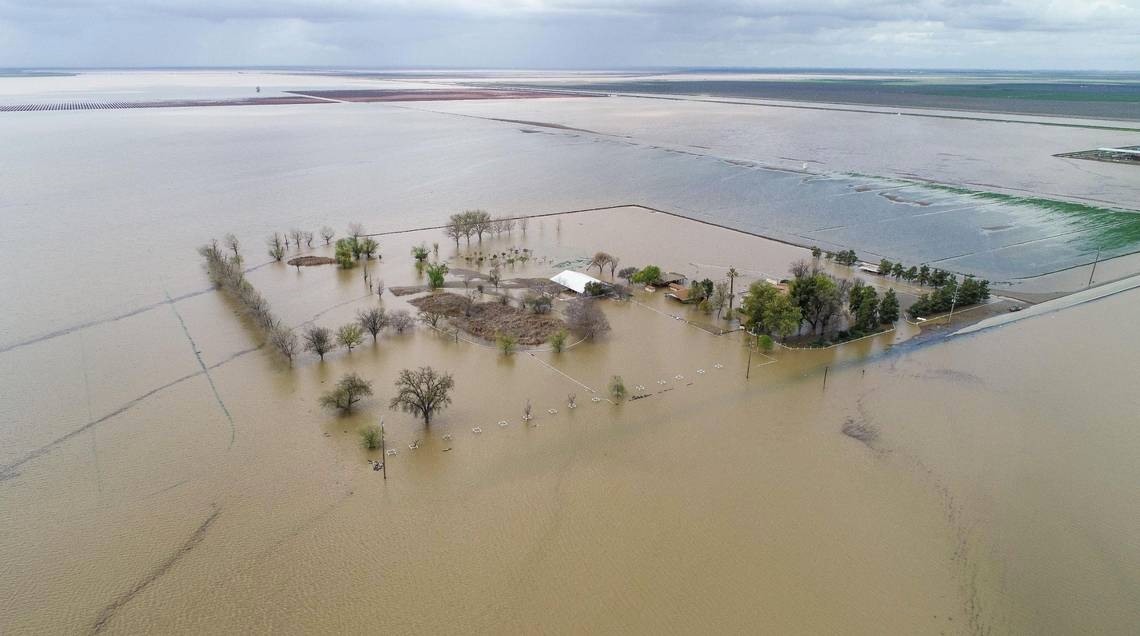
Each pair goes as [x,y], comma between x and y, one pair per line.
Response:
[163,473]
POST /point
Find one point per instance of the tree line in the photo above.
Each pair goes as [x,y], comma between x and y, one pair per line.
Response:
[470,223]
[818,301]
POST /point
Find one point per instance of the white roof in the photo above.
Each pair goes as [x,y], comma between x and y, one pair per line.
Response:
[574,280]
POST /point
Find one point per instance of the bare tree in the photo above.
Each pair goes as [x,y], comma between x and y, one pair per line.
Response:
[232,244]
[480,222]
[327,233]
[276,248]
[308,238]
[600,260]
[585,318]
[379,287]
[495,275]
[423,392]
[319,340]
[719,299]
[373,321]
[431,317]
[297,236]
[454,228]
[523,224]
[356,229]
[285,341]
[400,320]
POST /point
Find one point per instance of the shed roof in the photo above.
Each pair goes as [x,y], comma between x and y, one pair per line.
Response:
[576,281]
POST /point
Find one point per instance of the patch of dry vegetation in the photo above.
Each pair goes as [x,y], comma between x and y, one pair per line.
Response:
[309,261]
[491,319]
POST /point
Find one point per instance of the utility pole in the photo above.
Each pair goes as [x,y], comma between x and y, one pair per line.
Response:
[825,370]
[1094,267]
[383,450]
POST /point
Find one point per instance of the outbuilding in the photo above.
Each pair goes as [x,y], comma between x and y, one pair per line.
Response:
[574,281]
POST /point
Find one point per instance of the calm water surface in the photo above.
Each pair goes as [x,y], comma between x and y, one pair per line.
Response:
[144,494]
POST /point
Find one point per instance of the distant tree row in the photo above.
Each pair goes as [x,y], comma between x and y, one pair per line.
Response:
[949,294]
[321,340]
[479,222]
[923,275]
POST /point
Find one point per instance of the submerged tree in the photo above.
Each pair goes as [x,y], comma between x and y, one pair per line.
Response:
[767,310]
[319,340]
[507,343]
[627,273]
[400,320]
[889,308]
[356,229]
[420,252]
[348,391]
[373,321]
[297,235]
[233,244]
[366,247]
[732,276]
[648,275]
[349,336]
[276,247]
[327,233]
[585,318]
[372,436]
[422,392]
[617,388]
[435,273]
[285,341]
[345,255]
[558,340]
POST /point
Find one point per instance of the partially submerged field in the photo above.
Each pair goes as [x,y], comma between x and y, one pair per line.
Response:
[187,490]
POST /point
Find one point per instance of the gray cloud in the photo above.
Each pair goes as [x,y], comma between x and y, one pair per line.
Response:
[572,33]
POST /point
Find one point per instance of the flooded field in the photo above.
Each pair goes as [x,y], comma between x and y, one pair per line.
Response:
[226,500]
[161,470]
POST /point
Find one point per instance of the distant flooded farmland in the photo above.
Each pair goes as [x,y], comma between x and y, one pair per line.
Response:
[162,470]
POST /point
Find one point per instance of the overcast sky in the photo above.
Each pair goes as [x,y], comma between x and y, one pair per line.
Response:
[1062,34]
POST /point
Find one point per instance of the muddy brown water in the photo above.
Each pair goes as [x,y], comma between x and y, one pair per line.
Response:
[999,496]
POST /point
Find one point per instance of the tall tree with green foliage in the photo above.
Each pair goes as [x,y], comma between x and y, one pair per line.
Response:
[889,308]
[648,275]
[767,310]
[864,306]
[818,298]
[346,252]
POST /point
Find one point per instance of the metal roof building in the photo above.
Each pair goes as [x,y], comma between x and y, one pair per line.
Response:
[575,281]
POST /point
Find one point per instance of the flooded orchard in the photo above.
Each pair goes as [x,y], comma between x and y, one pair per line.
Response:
[995,494]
